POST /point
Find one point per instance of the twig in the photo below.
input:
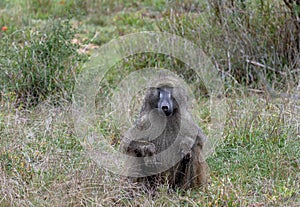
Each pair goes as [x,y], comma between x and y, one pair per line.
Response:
[269,89]
[265,66]
[94,37]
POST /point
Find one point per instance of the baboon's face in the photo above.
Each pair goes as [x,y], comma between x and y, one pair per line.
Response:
[165,100]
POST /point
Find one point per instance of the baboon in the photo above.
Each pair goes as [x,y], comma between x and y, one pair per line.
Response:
[165,144]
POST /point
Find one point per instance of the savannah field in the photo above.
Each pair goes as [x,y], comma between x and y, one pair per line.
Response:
[254,46]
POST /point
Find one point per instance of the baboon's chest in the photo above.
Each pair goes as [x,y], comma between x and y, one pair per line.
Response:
[168,136]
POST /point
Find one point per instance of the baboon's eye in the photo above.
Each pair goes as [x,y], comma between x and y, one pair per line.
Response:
[169,95]
[159,92]
[160,95]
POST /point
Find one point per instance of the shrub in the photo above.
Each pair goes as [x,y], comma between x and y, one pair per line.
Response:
[246,39]
[36,63]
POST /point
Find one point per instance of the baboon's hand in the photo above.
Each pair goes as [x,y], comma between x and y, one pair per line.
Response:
[142,148]
[186,146]
[138,148]
[147,149]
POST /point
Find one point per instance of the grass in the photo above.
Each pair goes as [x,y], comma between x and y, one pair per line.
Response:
[42,160]
[42,163]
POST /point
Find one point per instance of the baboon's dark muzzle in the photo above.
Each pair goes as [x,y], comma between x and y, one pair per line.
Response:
[167,110]
[165,103]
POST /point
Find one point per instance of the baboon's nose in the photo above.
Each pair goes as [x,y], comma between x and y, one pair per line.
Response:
[165,108]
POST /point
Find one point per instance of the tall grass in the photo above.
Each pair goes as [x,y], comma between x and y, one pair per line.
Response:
[245,38]
[254,46]
[38,62]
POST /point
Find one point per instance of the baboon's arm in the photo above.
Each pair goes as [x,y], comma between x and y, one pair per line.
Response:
[201,138]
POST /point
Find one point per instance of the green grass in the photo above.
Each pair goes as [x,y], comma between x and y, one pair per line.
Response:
[42,163]
[42,160]
[42,63]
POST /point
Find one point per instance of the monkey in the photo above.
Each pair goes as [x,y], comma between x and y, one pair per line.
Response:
[165,145]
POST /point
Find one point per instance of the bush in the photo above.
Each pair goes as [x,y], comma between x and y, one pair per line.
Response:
[37,63]
[246,39]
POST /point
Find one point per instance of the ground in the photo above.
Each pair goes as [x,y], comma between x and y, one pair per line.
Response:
[43,163]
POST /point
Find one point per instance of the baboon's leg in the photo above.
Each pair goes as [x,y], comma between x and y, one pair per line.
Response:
[200,169]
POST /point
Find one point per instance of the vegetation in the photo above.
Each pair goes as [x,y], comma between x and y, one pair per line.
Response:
[253,44]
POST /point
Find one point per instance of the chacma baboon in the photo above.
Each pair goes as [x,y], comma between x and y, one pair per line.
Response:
[165,144]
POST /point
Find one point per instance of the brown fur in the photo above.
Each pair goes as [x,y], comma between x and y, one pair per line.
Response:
[191,170]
